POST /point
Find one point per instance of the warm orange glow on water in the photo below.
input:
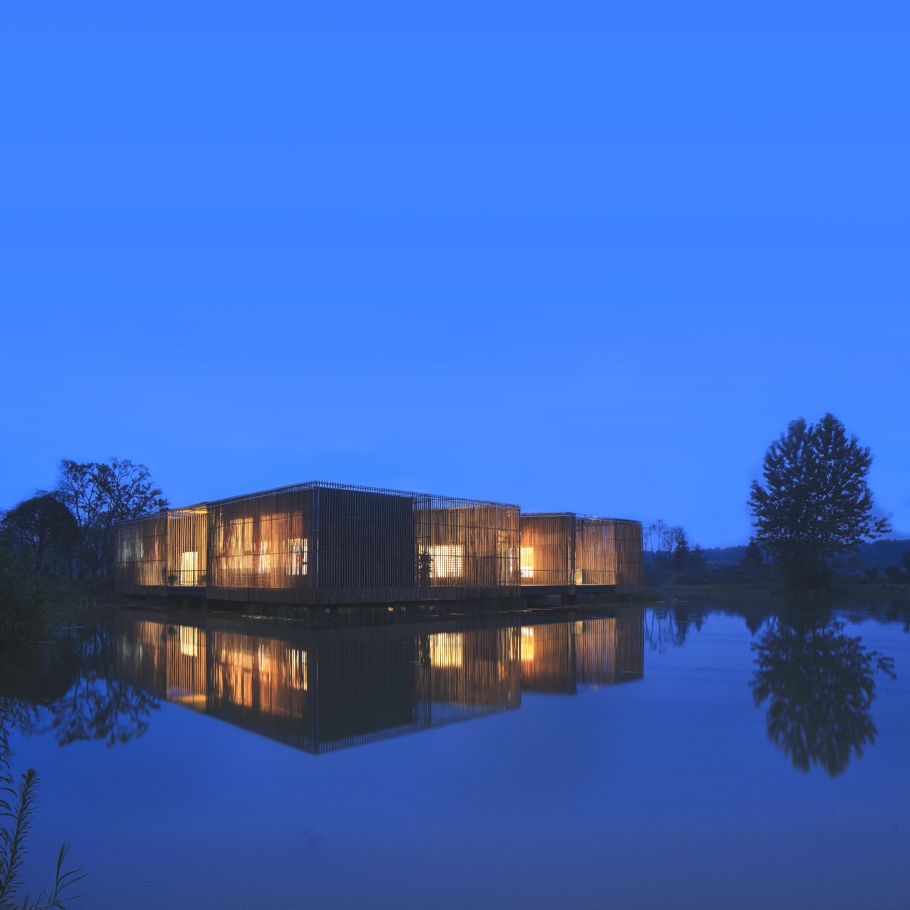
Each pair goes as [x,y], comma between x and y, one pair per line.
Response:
[527,643]
[447,649]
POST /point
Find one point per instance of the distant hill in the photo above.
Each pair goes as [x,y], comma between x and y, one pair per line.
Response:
[879,553]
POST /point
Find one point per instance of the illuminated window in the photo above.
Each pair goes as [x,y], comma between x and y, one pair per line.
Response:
[527,562]
[446,649]
[240,545]
[297,564]
[240,536]
[298,669]
[527,643]
[446,561]
[264,560]
[188,641]
[188,564]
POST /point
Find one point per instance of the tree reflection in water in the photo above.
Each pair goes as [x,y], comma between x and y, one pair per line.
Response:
[820,684]
[70,688]
[669,628]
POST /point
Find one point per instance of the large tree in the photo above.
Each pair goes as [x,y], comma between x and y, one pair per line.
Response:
[42,523]
[815,503]
[100,493]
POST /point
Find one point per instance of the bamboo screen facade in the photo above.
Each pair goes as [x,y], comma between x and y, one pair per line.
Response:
[187,546]
[141,566]
[320,543]
[548,548]
[562,549]
[608,551]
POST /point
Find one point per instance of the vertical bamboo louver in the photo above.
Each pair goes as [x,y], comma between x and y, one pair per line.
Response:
[141,564]
[562,549]
[326,543]
[187,546]
[608,552]
[323,543]
[547,548]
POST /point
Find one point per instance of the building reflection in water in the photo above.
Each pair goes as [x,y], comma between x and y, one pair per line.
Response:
[330,689]
[563,657]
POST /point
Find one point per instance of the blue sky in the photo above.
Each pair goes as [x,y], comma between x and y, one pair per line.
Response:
[591,260]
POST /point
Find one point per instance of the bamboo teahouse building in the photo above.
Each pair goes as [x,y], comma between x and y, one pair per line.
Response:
[562,552]
[329,544]
[325,543]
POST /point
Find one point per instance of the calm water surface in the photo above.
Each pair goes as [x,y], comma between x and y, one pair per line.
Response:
[669,757]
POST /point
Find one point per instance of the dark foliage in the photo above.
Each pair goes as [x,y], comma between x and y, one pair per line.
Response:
[815,503]
[27,609]
[100,493]
[682,552]
[753,555]
[40,524]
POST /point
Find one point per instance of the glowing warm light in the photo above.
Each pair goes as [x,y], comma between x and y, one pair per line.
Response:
[446,560]
[447,649]
[240,545]
[264,560]
[297,564]
[527,562]
[527,643]
[189,563]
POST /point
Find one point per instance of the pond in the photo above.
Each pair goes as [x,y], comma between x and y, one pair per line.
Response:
[682,755]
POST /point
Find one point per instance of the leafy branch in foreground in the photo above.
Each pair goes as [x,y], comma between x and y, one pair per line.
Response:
[17,805]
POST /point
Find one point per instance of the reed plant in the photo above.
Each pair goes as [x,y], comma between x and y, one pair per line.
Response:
[17,806]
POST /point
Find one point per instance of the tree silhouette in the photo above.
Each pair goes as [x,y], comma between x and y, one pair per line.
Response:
[815,503]
[820,684]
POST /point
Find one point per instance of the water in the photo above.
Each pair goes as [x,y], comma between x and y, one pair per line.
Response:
[583,761]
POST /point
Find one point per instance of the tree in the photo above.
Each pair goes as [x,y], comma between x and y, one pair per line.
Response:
[872,573]
[668,540]
[40,523]
[100,493]
[655,532]
[894,574]
[753,555]
[681,554]
[815,503]
[697,558]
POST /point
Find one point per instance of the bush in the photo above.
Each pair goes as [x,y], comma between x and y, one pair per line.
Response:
[27,609]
